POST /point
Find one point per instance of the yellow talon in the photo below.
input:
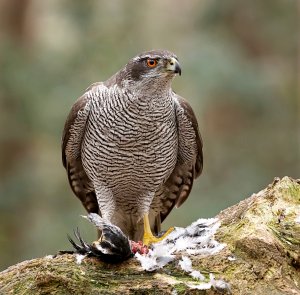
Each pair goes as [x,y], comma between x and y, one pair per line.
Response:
[149,238]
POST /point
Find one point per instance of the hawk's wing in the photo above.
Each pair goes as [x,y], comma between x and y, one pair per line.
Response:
[72,137]
[189,160]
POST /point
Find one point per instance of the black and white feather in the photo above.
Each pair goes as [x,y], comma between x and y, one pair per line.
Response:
[113,246]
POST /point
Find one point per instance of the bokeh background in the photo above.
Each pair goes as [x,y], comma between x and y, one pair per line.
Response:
[240,73]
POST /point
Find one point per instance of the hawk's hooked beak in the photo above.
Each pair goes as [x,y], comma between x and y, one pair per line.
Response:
[174,66]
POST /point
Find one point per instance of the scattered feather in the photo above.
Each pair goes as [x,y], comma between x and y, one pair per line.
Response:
[186,264]
[197,238]
[219,285]
[197,275]
[231,258]
[79,258]
[154,259]
[200,286]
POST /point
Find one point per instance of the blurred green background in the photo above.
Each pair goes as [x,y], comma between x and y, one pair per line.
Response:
[240,73]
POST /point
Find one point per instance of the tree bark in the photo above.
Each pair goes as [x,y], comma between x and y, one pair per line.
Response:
[262,256]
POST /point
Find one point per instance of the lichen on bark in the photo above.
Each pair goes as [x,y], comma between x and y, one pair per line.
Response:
[262,256]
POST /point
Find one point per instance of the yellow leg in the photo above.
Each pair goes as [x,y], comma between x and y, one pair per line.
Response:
[149,238]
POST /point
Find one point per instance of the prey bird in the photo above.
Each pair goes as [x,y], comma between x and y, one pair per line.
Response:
[131,146]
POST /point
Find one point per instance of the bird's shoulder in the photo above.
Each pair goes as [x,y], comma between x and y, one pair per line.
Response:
[93,96]
[186,116]
[77,117]
[184,108]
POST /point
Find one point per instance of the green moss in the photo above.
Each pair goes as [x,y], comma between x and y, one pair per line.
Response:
[180,288]
[291,190]
[294,191]
[21,286]
[285,235]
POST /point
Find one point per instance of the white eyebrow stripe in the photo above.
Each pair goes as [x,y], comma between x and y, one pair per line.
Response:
[136,58]
[139,58]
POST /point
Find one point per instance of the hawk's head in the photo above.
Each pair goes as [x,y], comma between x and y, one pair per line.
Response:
[155,66]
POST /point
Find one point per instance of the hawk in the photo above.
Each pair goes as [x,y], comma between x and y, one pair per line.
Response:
[131,146]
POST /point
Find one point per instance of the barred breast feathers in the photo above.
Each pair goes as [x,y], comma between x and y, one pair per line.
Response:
[125,120]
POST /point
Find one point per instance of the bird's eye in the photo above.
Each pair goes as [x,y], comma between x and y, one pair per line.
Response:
[151,63]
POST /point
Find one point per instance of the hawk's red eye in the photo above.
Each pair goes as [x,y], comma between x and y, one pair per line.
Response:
[151,63]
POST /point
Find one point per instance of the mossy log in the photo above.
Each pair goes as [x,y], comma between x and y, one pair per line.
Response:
[262,256]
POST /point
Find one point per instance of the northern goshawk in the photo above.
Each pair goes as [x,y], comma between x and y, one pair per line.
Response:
[131,146]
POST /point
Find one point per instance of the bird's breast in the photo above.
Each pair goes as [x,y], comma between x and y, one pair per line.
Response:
[134,138]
